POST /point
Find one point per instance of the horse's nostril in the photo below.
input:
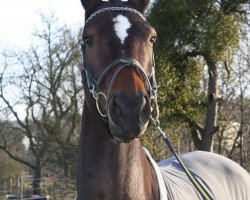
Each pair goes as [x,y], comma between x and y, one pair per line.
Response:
[144,102]
[116,100]
[117,105]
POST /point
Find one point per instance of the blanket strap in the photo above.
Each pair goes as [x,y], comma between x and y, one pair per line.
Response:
[199,187]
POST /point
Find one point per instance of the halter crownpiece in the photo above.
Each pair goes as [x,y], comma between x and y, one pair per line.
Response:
[115,9]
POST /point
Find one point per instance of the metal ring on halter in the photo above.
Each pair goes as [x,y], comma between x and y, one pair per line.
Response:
[98,105]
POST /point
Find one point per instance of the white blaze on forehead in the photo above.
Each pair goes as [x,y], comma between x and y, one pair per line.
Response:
[121,27]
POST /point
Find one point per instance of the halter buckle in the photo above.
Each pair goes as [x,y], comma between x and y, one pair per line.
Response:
[93,92]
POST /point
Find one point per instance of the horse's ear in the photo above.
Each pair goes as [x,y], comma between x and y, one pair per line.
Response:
[90,6]
[140,5]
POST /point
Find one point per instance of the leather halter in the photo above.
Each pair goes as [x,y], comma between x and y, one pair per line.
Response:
[94,85]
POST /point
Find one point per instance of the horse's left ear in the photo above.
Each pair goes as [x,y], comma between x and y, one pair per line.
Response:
[90,6]
[140,5]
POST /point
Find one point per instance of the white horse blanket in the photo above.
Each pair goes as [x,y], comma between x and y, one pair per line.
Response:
[223,178]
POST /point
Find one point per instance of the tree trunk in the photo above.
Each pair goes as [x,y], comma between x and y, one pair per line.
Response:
[212,108]
[37,180]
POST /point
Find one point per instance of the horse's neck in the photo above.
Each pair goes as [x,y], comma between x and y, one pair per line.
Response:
[112,171]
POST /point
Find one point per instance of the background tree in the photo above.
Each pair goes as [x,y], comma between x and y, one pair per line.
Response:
[45,81]
[8,167]
[235,107]
[193,35]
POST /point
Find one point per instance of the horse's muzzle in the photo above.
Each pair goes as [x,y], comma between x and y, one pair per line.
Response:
[128,115]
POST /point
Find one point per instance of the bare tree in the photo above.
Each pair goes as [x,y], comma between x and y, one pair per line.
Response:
[44,81]
[234,110]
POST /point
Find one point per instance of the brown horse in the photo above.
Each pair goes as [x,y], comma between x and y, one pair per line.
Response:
[118,75]
[112,163]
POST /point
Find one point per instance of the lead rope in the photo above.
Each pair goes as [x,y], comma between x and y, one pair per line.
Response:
[199,187]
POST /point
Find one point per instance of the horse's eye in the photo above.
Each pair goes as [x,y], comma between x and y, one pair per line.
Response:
[87,41]
[152,40]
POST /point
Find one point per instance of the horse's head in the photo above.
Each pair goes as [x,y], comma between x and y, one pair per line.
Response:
[118,64]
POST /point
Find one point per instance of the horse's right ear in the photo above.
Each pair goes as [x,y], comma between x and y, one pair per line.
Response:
[90,6]
[140,5]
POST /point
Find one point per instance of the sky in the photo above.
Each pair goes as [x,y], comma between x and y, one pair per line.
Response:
[18,18]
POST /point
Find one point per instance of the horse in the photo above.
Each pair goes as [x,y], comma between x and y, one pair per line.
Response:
[120,91]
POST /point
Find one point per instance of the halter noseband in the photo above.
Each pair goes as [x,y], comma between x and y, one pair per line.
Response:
[94,85]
